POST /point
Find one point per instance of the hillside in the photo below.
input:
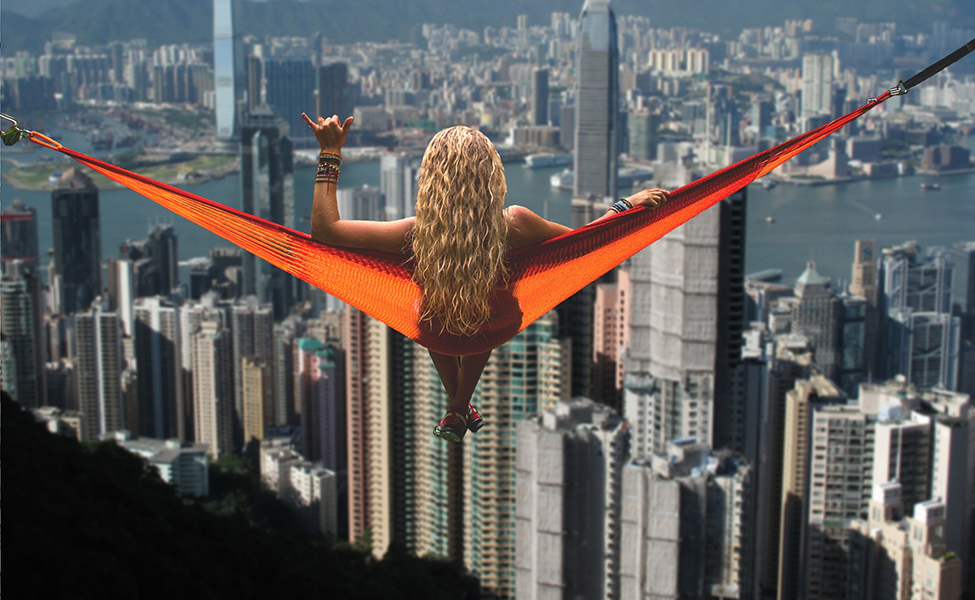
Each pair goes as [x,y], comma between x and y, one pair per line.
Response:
[90,521]
[176,21]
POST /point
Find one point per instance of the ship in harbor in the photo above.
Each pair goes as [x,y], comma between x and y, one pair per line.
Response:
[625,178]
[540,161]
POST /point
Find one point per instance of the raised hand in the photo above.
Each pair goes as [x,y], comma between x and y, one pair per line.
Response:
[654,197]
[330,132]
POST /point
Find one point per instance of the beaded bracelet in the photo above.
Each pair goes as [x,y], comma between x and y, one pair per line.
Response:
[332,155]
[328,170]
[620,205]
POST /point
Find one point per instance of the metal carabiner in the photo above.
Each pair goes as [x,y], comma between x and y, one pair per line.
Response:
[12,135]
[898,90]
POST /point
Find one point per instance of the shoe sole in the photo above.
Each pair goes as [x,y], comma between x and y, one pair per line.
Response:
[475,426]
[450,436]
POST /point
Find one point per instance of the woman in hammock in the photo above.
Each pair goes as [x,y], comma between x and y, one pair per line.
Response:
[458,242]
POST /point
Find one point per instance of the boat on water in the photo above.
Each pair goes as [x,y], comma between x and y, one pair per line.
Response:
[626,177]
[930,187]
[878,216]
[769,183]
[770,219]
[540,161]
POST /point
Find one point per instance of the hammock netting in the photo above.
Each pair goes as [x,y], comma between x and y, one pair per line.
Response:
[541,276]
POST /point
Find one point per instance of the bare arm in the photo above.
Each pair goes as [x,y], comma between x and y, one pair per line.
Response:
[327,225]
[527,228]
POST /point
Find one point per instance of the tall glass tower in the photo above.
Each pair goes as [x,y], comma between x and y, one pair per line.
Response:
[228,68]
[597,98]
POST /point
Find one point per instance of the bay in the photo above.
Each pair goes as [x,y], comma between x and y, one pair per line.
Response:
[819,223]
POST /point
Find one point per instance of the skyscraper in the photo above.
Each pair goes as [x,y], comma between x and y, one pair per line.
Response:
[921,338]
[817,84]
[21,325]
[320,379]
[213,387]
[289,91]
[597,97]
[252,332]
[796,453]
[333,91]
[686,327]
[524,376]
[569,495]
[816,314]
[686,528]
[162,406]
[77,241]
[398,183]
[98,376]
[963,307]
[18,231]
[257,402]
[540,97]
[228,67]
[267,188]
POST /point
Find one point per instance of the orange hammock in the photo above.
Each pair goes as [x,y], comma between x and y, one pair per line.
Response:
[541,276]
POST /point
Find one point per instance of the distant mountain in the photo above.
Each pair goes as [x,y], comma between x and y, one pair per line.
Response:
[342,21]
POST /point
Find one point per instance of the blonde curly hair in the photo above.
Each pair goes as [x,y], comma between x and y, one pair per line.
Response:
[460,236]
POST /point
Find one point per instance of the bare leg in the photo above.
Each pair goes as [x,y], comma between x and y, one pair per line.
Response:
[449,369]
[471,368]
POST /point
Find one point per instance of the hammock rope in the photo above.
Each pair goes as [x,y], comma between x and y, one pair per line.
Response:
[541,276]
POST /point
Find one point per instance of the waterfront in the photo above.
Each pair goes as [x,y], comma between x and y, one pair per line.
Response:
[819,222]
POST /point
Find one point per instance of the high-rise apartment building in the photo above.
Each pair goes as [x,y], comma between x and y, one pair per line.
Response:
[267,190]
[229,75]
[213,387]
[398,183]
[686,328]
[77,241]
[161,400]
[569,491]
[379,391]
[362,203]
[21,325]
[252,332]
[257,401]
[687,525]
[840,482]
[98,373]
[597,97]
[796,455]
[817,84]
[18,231]
[900,553]
[524,376]
[320,389]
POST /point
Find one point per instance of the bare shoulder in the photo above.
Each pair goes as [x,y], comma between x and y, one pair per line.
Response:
[526,228]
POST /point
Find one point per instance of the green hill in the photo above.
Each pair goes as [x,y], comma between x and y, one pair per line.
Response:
[91,521]
[177,21]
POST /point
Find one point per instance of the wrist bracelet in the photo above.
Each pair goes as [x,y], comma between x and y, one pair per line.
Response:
[620,206]
[328,154]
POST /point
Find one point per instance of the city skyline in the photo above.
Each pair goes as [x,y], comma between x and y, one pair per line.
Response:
[755,435]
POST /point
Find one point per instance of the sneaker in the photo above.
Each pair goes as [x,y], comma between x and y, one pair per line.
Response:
[452,426]
[474,420]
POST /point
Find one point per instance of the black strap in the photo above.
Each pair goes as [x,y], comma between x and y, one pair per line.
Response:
[940,65]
